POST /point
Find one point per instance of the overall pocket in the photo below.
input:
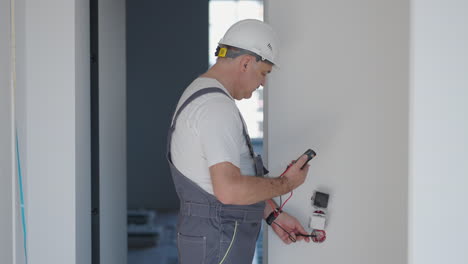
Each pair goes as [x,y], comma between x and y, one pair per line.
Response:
[192,249]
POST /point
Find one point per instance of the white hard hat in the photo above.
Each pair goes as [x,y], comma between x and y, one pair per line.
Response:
[254,36]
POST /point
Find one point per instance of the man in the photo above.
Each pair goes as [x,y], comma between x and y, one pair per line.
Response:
[212,162]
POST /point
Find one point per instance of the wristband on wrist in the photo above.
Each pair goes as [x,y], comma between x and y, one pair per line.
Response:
[273,215]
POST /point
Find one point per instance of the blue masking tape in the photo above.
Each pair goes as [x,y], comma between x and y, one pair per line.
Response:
[20,183]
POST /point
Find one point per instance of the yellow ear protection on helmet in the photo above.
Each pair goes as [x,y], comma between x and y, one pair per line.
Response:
[225,52]
[221,52]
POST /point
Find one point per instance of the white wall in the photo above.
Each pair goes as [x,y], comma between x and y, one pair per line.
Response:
[6,154]
[343,90]
[53,114]
[439,132]
[53,124]
[112,132]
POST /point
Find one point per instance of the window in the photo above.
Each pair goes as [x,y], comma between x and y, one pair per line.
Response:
[222,14]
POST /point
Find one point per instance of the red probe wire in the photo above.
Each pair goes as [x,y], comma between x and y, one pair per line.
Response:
[276,212]
[318,236]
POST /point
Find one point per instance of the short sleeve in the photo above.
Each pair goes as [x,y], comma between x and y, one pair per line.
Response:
[220,131]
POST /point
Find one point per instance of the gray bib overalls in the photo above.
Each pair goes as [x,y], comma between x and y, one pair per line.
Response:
[209,232]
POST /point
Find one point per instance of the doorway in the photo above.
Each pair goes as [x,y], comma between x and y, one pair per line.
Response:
[167,47]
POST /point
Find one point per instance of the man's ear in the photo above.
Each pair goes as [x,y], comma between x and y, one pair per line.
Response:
[245,62]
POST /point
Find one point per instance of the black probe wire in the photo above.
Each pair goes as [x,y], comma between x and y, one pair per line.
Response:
[281,206]
[289,234]
[304,235]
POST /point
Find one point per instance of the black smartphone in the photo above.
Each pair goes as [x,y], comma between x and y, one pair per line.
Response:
[310,155]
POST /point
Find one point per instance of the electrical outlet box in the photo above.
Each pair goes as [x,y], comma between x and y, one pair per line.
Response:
[321,199]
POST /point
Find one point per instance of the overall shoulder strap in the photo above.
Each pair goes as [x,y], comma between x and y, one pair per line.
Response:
[195,96]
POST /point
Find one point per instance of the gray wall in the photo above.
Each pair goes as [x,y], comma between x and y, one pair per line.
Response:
[21,125]
[343,90]
[83,133]
[112,132]
[167,47]
[6,155]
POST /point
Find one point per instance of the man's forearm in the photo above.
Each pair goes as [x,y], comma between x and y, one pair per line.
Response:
[245,190]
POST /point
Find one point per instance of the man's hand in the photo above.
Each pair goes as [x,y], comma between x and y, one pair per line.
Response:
[295,175]
[292,225]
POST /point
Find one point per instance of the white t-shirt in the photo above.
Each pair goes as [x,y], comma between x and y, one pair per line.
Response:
[209,131]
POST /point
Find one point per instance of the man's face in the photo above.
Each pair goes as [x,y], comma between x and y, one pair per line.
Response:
[254,77]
